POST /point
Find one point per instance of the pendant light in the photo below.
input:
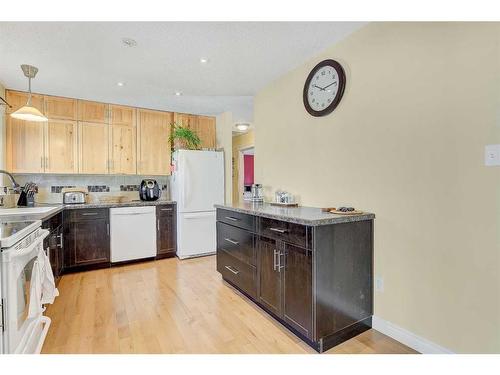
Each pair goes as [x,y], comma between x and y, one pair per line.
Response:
[28,112]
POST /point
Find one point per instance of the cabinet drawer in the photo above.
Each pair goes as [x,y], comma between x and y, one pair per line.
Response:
[165,210]
[88,214]
[237,242]
[237,219]
[237,272]
[296,234]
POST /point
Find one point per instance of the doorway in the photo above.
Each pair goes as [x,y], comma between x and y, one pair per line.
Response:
[246,171]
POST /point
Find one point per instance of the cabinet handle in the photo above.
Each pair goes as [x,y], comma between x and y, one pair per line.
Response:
[275,262]
[231,241]
[165,209]
[107,228]
[232,270]
[89,213]
[158,225]
[232,218]
[60,244]
[282,231]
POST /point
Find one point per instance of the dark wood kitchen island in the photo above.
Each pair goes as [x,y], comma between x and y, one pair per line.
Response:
[312,271]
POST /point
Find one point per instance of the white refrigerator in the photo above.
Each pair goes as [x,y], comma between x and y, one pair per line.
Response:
[197,184]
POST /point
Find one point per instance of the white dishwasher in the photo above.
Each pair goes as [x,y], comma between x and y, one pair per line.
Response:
[133,233]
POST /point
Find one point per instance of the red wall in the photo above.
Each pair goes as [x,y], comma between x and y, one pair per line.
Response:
[248,169]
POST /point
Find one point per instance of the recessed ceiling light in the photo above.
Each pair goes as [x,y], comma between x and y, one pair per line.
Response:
[129,42]
[242,126]
[120,84]
[178,93]
[203,60]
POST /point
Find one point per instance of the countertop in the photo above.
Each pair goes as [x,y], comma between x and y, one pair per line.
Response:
[60,207]
[301,215]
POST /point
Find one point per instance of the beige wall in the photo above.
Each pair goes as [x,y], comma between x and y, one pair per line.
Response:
[240,142]
[224,139]
[407,143]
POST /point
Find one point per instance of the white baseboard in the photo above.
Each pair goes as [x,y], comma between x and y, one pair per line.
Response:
[408,338]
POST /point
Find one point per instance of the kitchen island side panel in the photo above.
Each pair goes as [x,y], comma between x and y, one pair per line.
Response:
[343,271]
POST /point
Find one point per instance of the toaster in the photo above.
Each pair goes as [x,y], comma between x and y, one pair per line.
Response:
[73,197]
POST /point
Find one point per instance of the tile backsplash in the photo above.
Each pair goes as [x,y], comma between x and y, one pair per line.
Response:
[50,186]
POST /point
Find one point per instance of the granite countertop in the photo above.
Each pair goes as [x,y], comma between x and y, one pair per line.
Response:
[301,215]
[60,207]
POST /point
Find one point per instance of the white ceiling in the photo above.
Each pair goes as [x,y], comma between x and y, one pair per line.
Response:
[87,59]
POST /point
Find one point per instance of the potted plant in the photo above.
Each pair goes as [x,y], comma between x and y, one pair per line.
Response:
[184,138]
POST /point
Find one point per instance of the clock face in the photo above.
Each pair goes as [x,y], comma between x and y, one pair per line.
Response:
[324,88]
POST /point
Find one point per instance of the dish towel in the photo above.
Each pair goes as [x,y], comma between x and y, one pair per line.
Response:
[48,286]
[35,308]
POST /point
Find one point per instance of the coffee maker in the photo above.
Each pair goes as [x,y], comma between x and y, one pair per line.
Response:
[149,190]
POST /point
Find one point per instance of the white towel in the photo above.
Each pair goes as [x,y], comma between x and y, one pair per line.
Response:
[49,290]
[35,308]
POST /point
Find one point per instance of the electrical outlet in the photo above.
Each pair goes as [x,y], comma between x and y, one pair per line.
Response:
[492,155]
[379,283]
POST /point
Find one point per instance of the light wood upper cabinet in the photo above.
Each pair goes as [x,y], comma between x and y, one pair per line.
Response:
[61,147]
[206,131]
[122,115]
[154,147]
[123,150]
[24,146]
[60,108]
[93,111]
[93,145]
[186,120]
[17,99]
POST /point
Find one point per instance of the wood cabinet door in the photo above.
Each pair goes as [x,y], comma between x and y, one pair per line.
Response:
[93,111]
[206,131]
[93,148]
[17,99]
[122,115]
[186,120]
[24,146]
[86,238]
[153,139]
[270,277]
[60,108]
[61,147]
[166,238]
[297,288]
[123,150]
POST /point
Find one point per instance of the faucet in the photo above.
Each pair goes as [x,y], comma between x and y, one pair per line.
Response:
[15,186]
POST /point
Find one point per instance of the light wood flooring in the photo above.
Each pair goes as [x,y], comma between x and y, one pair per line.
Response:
[173,306]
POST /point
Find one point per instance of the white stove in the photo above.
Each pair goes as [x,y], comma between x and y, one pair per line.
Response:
[12,232]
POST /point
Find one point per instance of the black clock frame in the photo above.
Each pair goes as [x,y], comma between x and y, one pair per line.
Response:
[340,71]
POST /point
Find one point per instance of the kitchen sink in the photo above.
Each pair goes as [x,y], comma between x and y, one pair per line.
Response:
[27,210]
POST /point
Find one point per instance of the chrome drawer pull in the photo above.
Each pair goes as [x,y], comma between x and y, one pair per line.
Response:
[232,218]
[165,209]
[89,214]
[275,257]
[282,231]
[232,270]
[231,241]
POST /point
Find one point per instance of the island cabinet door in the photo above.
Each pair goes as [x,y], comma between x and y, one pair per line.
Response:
[166,233]
[270,275]
[297,288]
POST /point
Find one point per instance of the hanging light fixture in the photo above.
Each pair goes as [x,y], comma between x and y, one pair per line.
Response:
[28,112]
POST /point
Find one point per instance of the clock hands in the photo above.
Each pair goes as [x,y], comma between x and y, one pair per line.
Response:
[324,88]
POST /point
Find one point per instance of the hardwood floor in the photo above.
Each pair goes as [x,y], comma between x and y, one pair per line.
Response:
[172,306]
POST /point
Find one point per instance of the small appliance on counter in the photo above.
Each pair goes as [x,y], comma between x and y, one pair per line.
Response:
[149,190]
[256,194]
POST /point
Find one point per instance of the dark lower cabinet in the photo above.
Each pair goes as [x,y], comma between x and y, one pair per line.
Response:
[297,288]
[166,231]
[86,239]
[316,280]
[270,278]
[53,244]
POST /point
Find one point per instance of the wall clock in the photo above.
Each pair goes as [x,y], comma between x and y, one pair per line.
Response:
[324,88]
